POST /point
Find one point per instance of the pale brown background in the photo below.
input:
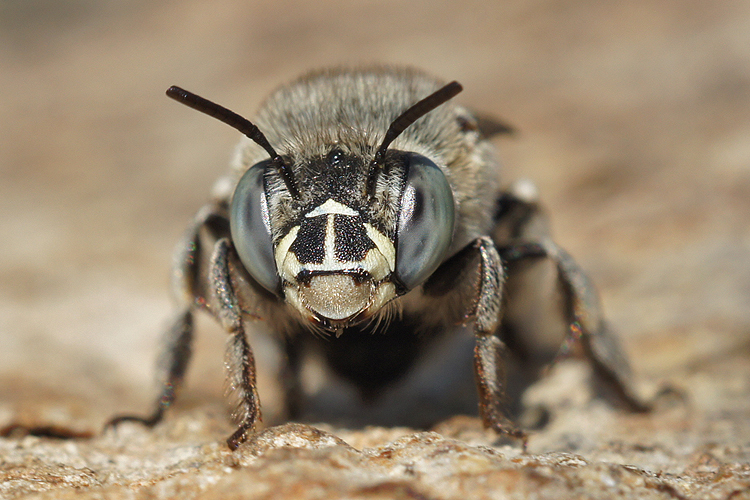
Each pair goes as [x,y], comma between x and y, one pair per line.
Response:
[634,121]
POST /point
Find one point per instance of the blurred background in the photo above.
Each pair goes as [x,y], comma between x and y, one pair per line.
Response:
[633,119]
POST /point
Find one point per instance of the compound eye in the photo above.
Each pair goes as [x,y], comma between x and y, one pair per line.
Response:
[251,229]
[425,223]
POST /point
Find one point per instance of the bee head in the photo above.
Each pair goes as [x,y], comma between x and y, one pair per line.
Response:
[337,260]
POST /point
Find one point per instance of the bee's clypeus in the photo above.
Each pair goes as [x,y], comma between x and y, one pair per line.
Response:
[365,204]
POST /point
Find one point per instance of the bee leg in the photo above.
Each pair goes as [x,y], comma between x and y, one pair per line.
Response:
[240,363]
[471,284]
[585,322]
[178,338]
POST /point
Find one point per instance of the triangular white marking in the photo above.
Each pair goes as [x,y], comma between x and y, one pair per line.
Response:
[331,207]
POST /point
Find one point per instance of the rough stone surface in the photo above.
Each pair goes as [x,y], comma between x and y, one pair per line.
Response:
[634,123]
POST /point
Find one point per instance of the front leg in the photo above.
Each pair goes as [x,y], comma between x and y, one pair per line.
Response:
[188,294]
[239,361]
[471,285]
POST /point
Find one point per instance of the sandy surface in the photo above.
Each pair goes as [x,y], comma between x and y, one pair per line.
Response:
[634,122]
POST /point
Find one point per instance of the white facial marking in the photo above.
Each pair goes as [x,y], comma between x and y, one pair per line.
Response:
[330,207]
[337,296]
[291,267]
[282,251]
[329,257]
[383,244]
[376,264]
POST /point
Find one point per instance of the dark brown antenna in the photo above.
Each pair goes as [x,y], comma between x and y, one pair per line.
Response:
[239,123]
[406,118]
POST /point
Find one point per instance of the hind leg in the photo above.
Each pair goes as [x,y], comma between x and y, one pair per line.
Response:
[585,324]
[522,228]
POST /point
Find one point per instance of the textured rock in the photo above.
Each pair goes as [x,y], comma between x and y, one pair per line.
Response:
[633,122]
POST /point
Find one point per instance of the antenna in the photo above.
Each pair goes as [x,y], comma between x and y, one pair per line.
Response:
[239,123]
[406,118]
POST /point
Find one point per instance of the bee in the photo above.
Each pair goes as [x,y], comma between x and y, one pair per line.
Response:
[363,215]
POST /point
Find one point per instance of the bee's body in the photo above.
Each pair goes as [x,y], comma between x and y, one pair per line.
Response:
[388,243]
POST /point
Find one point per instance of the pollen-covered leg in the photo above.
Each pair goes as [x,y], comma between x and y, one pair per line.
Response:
[240,363]
[472,282]
[176,344]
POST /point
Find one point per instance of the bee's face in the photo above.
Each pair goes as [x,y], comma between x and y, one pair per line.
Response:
[336,252]
[338,226]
